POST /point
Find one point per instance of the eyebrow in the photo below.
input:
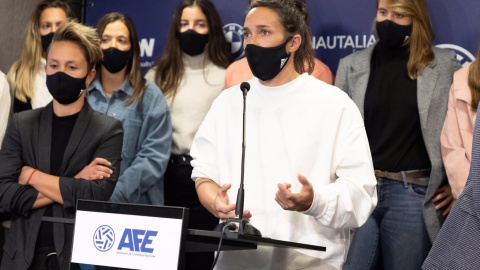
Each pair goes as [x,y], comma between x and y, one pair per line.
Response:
[68,62]
[258,27]
[110,36]
[199,20]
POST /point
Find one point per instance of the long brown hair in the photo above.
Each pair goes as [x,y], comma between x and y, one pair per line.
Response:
[293,15]
[421,39]
[23,72]
[133,75]
[474,81]
[170,68]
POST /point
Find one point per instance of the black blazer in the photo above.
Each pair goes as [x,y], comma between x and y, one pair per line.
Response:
[28,142]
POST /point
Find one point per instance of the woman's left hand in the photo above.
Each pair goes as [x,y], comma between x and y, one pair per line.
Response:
[23,178]
[444,197]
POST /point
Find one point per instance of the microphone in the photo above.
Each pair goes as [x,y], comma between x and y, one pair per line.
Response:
[241,226]
[244,87]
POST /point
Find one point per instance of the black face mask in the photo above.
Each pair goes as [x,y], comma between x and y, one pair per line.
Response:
[64,88]
[46,40]
[193,43]
[392,35]
[115,60]
[266,63]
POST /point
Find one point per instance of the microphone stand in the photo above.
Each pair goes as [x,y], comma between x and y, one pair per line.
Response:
[238,224]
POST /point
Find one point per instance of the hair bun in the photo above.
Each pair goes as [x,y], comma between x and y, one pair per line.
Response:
[302,8]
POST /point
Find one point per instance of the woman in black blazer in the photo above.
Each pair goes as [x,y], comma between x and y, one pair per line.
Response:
[54,155]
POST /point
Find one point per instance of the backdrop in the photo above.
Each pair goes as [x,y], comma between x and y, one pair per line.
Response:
[339,27]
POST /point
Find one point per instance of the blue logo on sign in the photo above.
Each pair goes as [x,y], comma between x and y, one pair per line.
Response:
[104,238]
[463,55]
[234,35]
[137,240]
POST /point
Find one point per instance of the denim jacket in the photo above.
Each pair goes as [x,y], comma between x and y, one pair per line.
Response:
[146,144]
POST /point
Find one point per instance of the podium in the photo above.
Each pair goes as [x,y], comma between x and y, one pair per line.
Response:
[202,241]
[130,236]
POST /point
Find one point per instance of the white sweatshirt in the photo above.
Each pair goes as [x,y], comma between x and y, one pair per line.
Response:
[303,127]
[5,102]
[41,95]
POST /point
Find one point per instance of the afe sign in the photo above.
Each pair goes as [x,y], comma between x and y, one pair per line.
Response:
[137,240]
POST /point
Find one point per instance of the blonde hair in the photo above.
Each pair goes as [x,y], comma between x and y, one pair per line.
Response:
[23,72]
[84,36]
[474,81]
[421,39]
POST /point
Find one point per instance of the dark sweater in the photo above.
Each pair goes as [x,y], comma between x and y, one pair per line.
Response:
[61,131]
[392,120]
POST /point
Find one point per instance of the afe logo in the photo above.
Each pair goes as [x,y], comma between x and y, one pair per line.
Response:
[137,240]
[104,238]
[234,35]
[463,55]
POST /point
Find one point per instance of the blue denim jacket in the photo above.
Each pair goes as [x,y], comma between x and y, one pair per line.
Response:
[146,144]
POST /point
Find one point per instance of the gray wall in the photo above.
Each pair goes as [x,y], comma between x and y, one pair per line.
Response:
[14,15]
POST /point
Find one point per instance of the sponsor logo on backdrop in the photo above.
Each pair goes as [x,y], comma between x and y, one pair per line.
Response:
[234,35]
[343,42]
[146,50]
[463,55]
[104,238]
[134,242]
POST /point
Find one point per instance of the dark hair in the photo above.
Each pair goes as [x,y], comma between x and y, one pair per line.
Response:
[293,15]
[169,71]
[133,74]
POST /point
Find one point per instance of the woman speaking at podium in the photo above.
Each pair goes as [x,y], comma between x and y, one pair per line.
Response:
[50,156]
[308,172]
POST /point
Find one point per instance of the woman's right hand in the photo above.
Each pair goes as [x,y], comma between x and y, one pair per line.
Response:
[225,210]
[96,170]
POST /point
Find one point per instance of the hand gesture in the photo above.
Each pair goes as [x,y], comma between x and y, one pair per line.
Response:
[225,210]
[96,170]
[295,201]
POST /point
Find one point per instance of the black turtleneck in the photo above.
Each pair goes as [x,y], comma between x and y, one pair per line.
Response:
[392,120]
[62,128]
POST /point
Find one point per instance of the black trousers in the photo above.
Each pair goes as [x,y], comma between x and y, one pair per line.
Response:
[45,258]
[180,191]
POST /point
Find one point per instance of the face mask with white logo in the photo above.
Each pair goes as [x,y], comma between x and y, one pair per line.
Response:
[266,63]
[391,34]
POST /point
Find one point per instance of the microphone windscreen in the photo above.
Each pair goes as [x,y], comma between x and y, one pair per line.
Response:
[244,85]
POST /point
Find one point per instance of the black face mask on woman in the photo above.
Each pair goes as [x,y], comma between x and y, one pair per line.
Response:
[64,88]
[266,63]
[392,35]
[193,43]
[46,40]
[115,60]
